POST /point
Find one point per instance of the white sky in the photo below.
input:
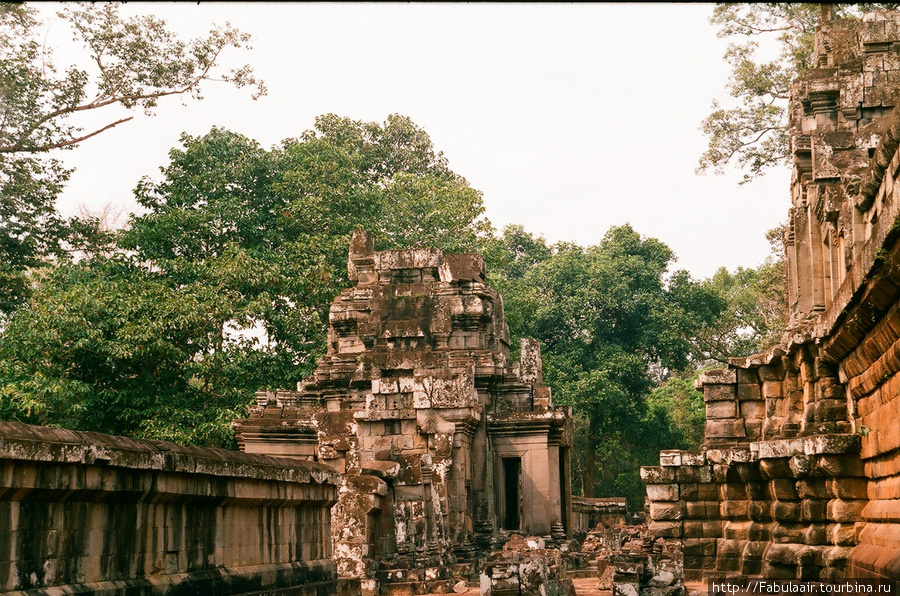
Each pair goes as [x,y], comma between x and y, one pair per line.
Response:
[570,118]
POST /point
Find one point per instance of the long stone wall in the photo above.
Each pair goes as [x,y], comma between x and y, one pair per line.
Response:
[799,476]
[90,513]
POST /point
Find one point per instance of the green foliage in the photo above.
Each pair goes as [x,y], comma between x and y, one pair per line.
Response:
[610,320]
[129,63]
[106,345]
[756,315]
[223,285]
[681,409]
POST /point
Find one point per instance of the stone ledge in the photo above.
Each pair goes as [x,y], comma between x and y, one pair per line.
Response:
[26,442]
[277,579]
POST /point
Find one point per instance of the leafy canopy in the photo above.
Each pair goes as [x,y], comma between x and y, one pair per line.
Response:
[223,286]
[130,63]
[611,320]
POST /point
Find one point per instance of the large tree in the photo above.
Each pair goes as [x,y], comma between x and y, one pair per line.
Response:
[129,63]
[223,285]
[611,320]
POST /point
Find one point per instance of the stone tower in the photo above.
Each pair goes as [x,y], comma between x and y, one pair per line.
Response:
[445,447]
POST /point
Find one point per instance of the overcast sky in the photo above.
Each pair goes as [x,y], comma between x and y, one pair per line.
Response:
[570,118]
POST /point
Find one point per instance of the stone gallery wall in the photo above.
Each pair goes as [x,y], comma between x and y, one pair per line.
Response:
[799,476]
[92,513]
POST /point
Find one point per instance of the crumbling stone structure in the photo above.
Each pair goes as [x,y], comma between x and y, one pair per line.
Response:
[89,513]
[800,472]
[589,512]
[445,446]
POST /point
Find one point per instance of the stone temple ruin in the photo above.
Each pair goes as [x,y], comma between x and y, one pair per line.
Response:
[799,476]
[445,447]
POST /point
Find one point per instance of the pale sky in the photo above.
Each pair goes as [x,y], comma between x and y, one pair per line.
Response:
[570,118]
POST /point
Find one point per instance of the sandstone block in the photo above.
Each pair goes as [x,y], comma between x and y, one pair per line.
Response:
[753,409]
[815,535]
[772,390]
[800,465]
[812,488]
[695,474]
[776,571]
[775,468]
[707,492]
[840,465]
[657,475]
[713,528]
[760,511]
[697,458]
[732,491]
[700,547]
[692,529]
[754,550]
[729,549]
[662,492]
[813,510]
[719,393]
[736,530]
[759,532]
[845,511]
[688,491]
[771,372]
[720,376]
[727,428]
[670,457]
[665,529]
[842,534]
[783,554]
[826,410]
[780,448]
[783,489]
[666,511]
[747,376]
[786,511]
[721,409]
[838,556]
[847,488]
[788,532]
[748,392]
[702,510]
[734,509]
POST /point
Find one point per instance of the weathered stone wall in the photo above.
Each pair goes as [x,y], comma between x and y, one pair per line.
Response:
[803,442]
[588,513]
[93,513]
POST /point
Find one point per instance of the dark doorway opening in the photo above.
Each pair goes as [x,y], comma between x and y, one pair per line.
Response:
[512,474]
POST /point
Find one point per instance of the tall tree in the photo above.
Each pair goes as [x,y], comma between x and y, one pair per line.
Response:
[130,63]
[223,285]
[609,317]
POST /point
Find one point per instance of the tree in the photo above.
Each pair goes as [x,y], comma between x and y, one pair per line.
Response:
[681,407]
[755,317]
[754,133]
[607,316]
[131,63]
[106,345]
[222,286]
